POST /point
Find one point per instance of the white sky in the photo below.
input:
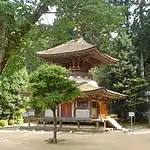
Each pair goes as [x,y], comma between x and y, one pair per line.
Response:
[50,17]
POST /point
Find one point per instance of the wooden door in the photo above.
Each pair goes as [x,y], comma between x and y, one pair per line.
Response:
[69,110]
[66,110]
[104,109]
[63,110]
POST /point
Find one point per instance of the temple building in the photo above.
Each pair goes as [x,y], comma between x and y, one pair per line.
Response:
[79,57]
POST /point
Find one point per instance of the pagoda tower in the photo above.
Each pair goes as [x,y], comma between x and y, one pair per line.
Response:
[79,57]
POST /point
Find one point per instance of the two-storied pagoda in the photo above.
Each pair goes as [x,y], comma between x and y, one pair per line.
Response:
[79,57]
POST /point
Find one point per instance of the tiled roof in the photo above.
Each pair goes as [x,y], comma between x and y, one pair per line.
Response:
[77,47]
[71,46]
[90,86]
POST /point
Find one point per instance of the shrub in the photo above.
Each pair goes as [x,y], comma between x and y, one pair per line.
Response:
[19,121]
[18,118]
[2,123]
[10,122]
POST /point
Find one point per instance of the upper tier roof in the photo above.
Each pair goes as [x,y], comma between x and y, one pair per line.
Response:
[77,47]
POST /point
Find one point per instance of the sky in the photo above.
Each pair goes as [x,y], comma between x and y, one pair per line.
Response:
[49,17]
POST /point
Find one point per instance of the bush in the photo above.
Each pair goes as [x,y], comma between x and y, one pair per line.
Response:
[18,118]
[10,122]
[19,121]
[2,123]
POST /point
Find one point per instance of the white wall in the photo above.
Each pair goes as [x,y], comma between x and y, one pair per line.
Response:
[30,113]
[49,113]
[83,113]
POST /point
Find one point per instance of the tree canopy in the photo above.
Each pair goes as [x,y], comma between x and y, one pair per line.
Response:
[18,19]
[51,87]
[12,91]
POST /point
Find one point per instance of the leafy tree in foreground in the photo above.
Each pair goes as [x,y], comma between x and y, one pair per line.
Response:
[50,87]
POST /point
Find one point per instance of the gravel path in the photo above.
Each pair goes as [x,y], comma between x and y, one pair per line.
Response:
[15,140]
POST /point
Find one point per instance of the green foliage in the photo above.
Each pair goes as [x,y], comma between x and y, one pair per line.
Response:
[126,66]
[14,16]
[140,28]
[18,118]
[124,77]
[2,123]
[96,19]
[39,38]
[18,18]
[11,122]
[140,32]
[15,23]
[135,88]
[50,86]
[102,76]
[11,91]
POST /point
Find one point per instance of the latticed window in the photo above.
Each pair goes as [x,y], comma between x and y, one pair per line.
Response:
[94,104]
[82,104]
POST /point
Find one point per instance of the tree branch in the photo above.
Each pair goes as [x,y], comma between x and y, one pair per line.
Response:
[40,10]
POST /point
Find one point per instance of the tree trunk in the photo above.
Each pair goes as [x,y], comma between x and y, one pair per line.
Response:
[11,115]
[3,45]
[54,127]
[28,119]
[142,65]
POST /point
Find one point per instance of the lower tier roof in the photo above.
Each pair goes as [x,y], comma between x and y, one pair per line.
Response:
[89,87]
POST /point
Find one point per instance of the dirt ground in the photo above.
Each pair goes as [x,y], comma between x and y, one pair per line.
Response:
[117,140]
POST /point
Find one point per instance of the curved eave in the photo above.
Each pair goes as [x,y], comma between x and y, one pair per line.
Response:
[96,91]
[77,48]
[102,91]
[112,95]
[102,58]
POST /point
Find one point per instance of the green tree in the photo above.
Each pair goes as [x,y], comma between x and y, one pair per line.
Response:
[124,77]
[96,19]
[140,31]
[11,92]
[50,87]
[93,19]
[39,38]
[17,19]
